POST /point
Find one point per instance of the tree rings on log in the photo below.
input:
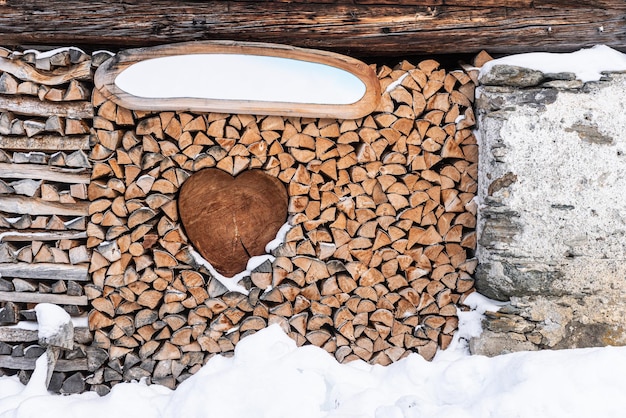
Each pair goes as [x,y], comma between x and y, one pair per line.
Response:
[231,219]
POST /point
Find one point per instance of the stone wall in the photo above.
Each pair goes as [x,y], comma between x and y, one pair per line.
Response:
[552,214]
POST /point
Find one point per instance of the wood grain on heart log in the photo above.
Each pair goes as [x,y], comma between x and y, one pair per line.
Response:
[230,219]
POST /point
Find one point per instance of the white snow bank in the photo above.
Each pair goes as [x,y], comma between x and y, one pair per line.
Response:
[270,377]
[588,64]
[50,319]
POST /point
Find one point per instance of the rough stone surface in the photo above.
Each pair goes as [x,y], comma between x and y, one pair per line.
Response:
[511,75]
[552,218]
[494,344]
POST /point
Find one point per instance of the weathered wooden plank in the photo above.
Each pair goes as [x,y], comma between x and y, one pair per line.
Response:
[24,363]
[486,3]
[44,143]
[481,3]
[46,271]
[43,172]
[26,72]
[43,298]
[23,105]
[13,236]
[16,334]
[391,28]
[36,206]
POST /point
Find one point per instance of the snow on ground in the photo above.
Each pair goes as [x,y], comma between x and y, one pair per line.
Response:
[270,377]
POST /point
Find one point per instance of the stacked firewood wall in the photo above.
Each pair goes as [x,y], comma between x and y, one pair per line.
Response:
[379,255]
[45,131]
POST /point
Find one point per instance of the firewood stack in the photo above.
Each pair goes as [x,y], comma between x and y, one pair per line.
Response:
[45,120]
[378,258]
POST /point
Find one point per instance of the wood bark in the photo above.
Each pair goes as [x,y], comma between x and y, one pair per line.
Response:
[55,174]
[36,206]
[23,105]
[42,298]
[45,143]
[46,271]
[363,28]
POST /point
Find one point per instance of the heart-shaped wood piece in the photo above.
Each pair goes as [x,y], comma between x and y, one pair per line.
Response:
[230,219]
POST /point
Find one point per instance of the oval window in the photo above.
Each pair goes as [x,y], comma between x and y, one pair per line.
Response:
[230,77]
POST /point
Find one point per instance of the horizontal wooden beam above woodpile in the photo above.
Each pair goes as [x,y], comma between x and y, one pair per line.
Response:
[358,28]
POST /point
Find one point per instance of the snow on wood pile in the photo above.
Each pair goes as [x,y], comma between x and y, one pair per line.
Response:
[45,122]
[380,251]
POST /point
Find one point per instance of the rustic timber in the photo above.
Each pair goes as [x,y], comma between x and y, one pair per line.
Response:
[44,143]
[25,363]
[40,236]
[367,28]
[15,334]
[43,298]
[45,271]
[25,72]
[36,206]
[34,171]
[23,105]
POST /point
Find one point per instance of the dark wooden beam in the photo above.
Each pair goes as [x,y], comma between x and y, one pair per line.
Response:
[359,28]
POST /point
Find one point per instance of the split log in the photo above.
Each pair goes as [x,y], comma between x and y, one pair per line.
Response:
[54,174]
[25,72]
[35,107]
[36,206]
[45,271]
[9,313]
[43,298]
[25,363]
[45,143]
